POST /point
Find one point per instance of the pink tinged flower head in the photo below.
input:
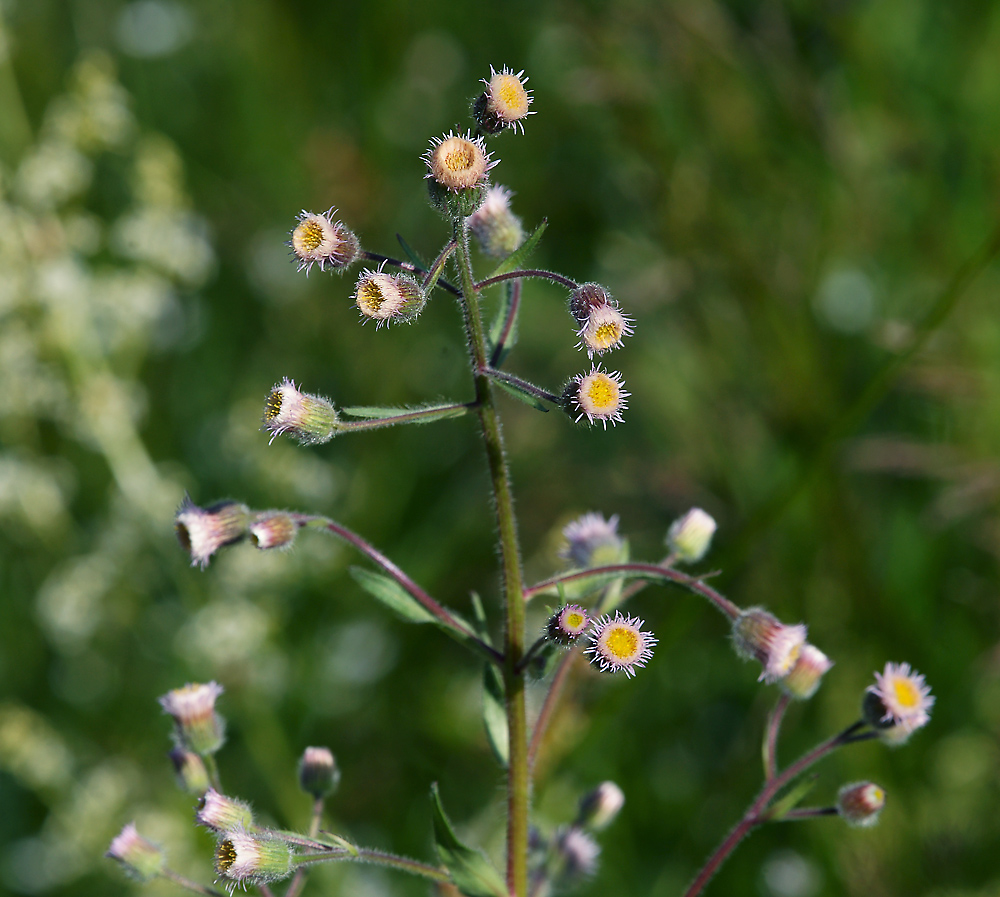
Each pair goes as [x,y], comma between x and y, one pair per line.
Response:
[758,634]
[196,724]
[597,396]
[203,531]
[604,329]
[805,676]
[578,853]
[386,298]
[310,419]
[504,103]
[618,644]
[192,776]
[318,772]
[219,813]
[905,699]
[860,803]
[273,529]
[496,228]
[567,624]
[457,162]
[591,540]
[690,536]
[319,240]
[245,858]
[599,807]
[140,858]
[585,299]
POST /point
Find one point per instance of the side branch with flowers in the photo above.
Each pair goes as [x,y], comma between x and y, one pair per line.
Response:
[588,621]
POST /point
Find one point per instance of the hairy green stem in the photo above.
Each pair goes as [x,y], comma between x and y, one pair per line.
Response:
[381,858]
[529,272]
[518,785]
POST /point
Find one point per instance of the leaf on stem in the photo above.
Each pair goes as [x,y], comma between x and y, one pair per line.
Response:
[422,414]
[781,808]
[519,392]
[495,714]
[470,871]
[392,595]
[411,253]
[517,257]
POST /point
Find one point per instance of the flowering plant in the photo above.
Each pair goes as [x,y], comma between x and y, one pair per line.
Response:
[585,620]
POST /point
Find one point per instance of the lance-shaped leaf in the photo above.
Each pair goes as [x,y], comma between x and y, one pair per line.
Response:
[781,808]
[517,257]
[470,871]
[392,595]
[411,253]
[519,389]
[508,309]
[495,714]
[422,414]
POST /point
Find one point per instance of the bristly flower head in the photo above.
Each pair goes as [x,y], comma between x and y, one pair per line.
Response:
[804,677]
[244,858]
[203,531]
[140,858]
[494,225]
[860,803]
[618,644]
[599,807]
[597,396]
[457,162]
[504,103]
[319,240]
[690,536]
[591,541]
[219,813]
[758,634]
[192,776]
[567,624]
[899,703]
[196,724]
[384,298]
[273,529]
[309,418]
[604,329]
[587,297]
[577,852]
[318,772]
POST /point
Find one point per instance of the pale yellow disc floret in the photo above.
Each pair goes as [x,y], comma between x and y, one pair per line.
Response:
[508,99]
[598,396]
[604,329]
[457,163]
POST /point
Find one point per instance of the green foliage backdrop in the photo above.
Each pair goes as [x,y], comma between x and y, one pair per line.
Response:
[780,193]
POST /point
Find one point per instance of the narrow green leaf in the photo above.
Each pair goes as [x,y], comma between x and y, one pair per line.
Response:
[427,413]
[517,257]
[479,618]
[392,595]
[411,253]
[470,871]
[495,714]
[780,808]
[497,327]
[518,393]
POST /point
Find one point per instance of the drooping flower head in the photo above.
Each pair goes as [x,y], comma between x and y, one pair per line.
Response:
[457,162]
[618,644]
[567,624]
[591,540]
[192,776]
[196,724]
[273,529]
[140,858]
[319,240]
[203,531]
[504,103]
[904,699]
[604,329]
[758,634]
[597,396]
[384,298]
[599,807]
[805,675]
[690,536]
[309,418]
[220,813]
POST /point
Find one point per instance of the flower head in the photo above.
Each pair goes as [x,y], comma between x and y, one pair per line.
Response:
[599,807]
[591,540]
[140,858]
[860,803]
[690,536]
[384,298]
[567,624]
[457,162]
[318,772]
[273,529]
[192,776]
[618,644]
[804,677]
[319,240]
[196,724]
[504,103]
[578,853]
[904,698]
[309,418]
[587,297]
[758,634]
[245,858]
[597,396]
[203,531]
[604,329]
[494,225]
[222,814]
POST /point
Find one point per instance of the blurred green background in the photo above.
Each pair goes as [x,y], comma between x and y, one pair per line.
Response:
[779,193]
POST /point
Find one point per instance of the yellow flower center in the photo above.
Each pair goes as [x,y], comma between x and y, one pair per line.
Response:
[272,407]
[225,856]
[606,335]
[460,158]
[906,695]
[308,236]
[602,392]
[370,297]
[574,620]
[509,97]
[622,642]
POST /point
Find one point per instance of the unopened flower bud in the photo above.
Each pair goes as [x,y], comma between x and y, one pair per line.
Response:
[273,529]
[597,396]
[246,858]
[804,677]
[585,299]
[599,807]
[504,103]
[386,298]
[760,635]
[319,240]
[203,531]
[140,858]
[318,772]
[592,541]
[192,776]
[308,418]
[497,229]
[860,804]
[196,724]
[690,536]
[577,852]
[223,814]
[567,624]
